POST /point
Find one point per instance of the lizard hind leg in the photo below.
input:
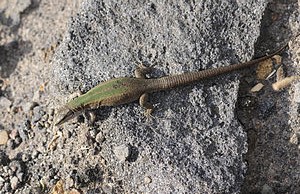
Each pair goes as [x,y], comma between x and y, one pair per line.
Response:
[146,104]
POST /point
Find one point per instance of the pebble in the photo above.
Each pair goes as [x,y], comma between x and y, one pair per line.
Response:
[100,137]
[25,157]
[266,189]
[93,133]
[14,181]
[13,10]
[147,180]
[13,134]
[7,187]
[18,141]
[29,106]
[34,154]
[15,166]
[20,176]
[4,160]
[4,103]
[122,152]
[3,137]
[24,129]
[38,113]
[11,144]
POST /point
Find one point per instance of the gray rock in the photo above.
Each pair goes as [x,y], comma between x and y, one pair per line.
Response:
[14,181]
[38,113]
[266,189]
[4,103]
[29,106]
[12,9]
[23,129]
[11,144]
[26,157]
[194,144]
[4,160]
[122,152]
[100,137]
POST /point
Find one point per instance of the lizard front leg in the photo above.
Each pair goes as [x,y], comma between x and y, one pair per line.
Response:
[141,72]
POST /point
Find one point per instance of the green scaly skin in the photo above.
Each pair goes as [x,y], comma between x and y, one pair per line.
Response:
[125,90]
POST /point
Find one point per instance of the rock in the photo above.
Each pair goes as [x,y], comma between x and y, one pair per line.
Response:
[100,137]
[29,106]
[16,166]
[122,152]
[14,181]
[11,144]
[197,135]
[38,113]
[11,10]
[266,189]
[3,137]
[26,157]
[4,160]
[5,103]
[24,129]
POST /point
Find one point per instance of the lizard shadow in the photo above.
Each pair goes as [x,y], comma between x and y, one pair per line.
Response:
[93,116]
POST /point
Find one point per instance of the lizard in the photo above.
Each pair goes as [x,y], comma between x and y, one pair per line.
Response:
[124,90]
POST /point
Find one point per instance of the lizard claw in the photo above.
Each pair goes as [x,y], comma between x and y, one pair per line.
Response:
[148,114]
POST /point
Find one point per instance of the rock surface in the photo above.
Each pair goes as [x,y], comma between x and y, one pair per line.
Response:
[194,143]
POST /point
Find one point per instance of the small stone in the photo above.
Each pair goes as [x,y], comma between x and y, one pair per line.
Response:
[93,133]
[122,152]
[24,130]
[147,180]
[38,113]
[29,106]
[36,96]
[18,141]
[257,87]
[15,166]
[25,157]
[100,137]
[11,144]
[3,137]
[2,180]
[7,187]
[5,103]
[74,191]
[20,176]
[4,160]
[13,134]
[14,182]
[69,182]
[12,11]
[34,154]
[107,189]
[266,189]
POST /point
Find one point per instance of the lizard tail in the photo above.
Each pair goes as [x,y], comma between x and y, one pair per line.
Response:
[192,77]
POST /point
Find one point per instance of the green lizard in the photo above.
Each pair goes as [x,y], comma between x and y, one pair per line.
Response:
[126,89]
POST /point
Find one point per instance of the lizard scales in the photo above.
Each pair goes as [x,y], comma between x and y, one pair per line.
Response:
[124,90]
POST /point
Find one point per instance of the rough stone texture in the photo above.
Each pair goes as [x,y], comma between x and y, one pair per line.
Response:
[194,144]
[82,156]
[272,119]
